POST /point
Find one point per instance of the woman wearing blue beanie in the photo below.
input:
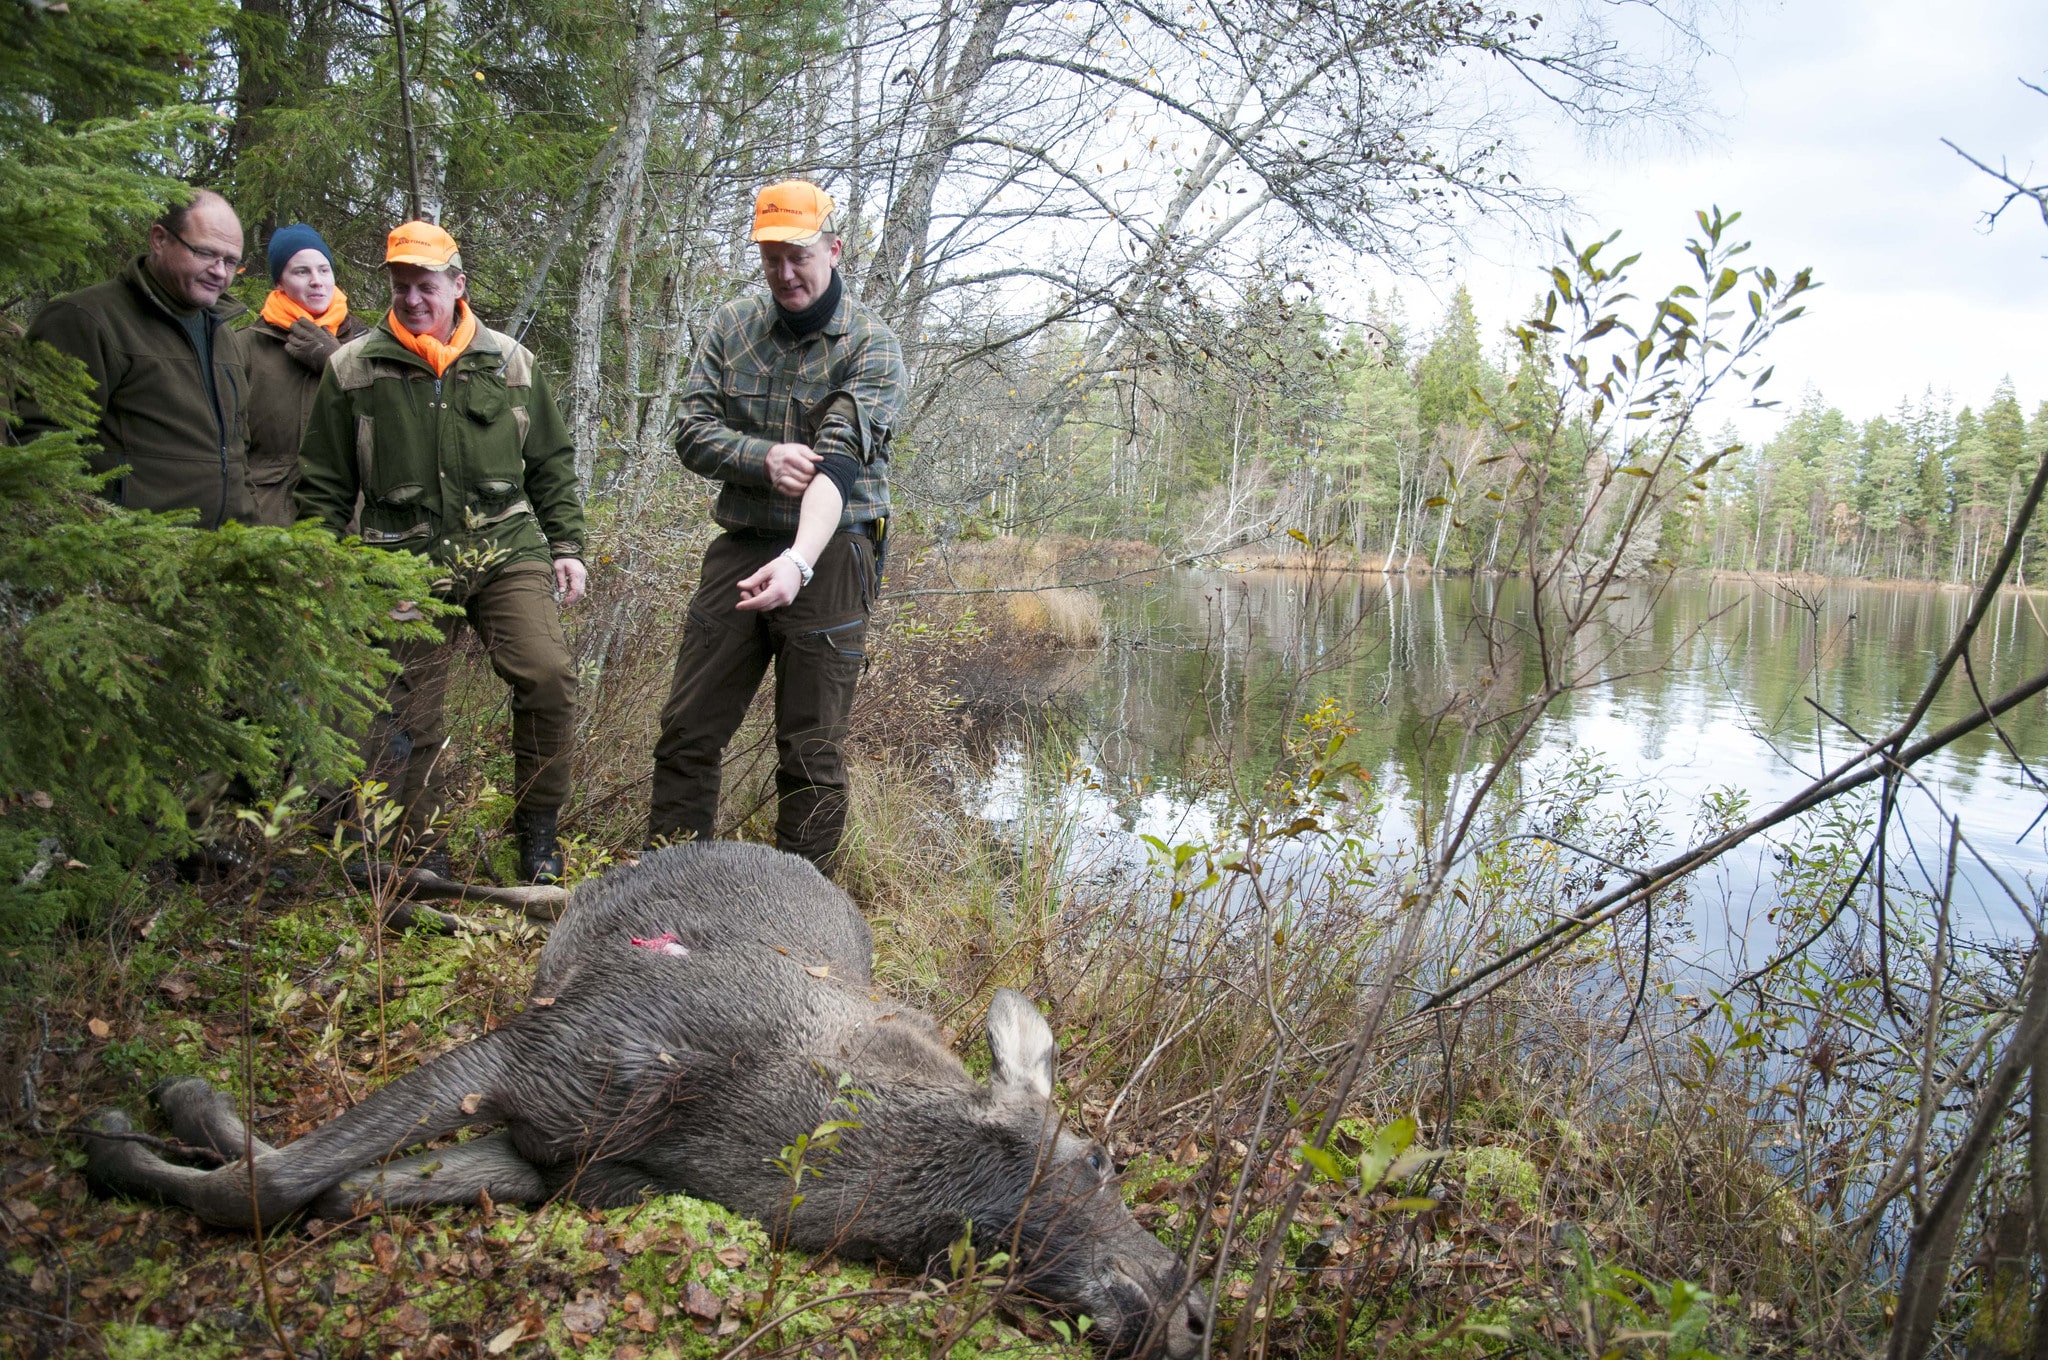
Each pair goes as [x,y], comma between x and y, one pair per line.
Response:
[303,322]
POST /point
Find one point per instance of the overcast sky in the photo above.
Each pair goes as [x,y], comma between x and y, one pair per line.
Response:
[1825,131]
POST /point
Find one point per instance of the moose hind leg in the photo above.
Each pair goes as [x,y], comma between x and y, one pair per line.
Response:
[203,1117]
[451,1175]
[603,1184]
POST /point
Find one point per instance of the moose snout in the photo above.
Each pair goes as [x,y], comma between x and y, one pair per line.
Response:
[1173,1321]
[1186,1330]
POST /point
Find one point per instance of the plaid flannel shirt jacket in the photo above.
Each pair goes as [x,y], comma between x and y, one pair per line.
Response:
[755,384]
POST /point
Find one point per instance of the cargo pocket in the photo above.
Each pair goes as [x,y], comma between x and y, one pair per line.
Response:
[497,500]
[842,649]
[394,516]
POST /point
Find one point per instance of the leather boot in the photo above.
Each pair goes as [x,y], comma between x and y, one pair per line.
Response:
[540,855]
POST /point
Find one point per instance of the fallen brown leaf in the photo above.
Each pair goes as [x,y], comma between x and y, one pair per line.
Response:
[412,1320]
[733,1257]
[100,1028]
[638,1314]
[385,1250]
[701,1303]
[585,1316]
[525,1329]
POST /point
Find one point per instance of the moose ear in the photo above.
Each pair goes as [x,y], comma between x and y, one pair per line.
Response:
[1021,1044]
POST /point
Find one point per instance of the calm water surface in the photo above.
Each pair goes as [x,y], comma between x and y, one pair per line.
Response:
[1704,686]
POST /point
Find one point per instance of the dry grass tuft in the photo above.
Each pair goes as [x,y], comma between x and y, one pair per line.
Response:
[1073,617]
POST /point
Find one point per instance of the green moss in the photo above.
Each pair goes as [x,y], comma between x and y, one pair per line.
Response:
[1499,1176]
[131,1341]
[1147,1172]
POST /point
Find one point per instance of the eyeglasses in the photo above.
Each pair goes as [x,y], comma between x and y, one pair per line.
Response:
[208,257]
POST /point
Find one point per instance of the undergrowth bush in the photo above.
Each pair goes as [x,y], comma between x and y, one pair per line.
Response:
[140,657]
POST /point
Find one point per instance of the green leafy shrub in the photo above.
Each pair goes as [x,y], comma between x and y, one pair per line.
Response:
[138,655]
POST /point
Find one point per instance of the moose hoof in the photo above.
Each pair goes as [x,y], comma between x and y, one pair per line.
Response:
[112,1163]
[184,1102]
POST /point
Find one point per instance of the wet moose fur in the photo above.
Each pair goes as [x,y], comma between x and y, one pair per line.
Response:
[654,1072]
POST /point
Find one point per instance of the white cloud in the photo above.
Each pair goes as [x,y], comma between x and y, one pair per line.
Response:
[1829,116]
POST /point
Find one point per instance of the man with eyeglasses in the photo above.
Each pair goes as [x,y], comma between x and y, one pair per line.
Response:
[167,374]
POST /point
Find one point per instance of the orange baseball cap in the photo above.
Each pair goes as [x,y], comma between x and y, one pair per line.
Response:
[795,211]
[423,244]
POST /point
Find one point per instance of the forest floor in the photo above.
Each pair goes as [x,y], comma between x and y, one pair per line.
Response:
[1537,1226]
[297,1002]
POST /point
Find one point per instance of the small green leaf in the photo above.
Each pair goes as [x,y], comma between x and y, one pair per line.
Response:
[1324,1161]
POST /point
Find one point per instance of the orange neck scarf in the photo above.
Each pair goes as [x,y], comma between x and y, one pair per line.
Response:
[437,355]
[281,310]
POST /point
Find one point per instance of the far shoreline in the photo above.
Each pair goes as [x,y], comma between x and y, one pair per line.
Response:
[1780,579]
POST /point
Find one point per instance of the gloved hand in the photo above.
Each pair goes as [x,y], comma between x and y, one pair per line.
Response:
[310,344]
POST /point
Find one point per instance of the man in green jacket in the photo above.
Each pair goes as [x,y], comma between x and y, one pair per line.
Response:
[447,432]
[797,381]
[167,373]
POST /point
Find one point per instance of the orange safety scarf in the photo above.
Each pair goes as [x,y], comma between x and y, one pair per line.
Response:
[281,310]
[437,355]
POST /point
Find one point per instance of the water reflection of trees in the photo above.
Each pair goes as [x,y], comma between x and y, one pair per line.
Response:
[1208,669]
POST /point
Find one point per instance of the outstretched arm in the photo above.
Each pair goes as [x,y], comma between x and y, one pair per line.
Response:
[776,584]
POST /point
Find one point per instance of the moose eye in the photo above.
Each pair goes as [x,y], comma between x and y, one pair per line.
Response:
[1098,1161]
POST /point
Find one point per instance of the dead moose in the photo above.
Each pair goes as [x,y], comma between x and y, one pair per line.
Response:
[691,1017]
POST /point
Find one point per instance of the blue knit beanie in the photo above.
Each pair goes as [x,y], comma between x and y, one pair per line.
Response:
[286,242]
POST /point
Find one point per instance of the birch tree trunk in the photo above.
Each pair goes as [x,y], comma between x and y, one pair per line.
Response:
[583,394]
[896,278]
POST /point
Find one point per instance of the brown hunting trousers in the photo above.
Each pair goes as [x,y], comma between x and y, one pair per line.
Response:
[520,625]
[818,646]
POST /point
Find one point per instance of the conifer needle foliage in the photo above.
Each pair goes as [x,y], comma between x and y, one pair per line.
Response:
[139,656]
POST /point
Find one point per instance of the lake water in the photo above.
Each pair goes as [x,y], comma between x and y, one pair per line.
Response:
[1702,686]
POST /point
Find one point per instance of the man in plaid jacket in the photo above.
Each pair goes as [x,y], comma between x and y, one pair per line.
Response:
[800,382]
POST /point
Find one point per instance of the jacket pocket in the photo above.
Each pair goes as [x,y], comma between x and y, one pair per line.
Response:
[484,398]
[750,406]
[384,528]
[497,500]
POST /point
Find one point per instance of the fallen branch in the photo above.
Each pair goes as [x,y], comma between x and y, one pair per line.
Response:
[542,903]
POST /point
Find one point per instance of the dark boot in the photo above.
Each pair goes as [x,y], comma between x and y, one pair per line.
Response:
[540,855]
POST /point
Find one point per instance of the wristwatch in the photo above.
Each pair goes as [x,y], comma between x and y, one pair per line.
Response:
[804,569]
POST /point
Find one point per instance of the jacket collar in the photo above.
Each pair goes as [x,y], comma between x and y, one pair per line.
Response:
[136,276]
[837,327]
[842,315]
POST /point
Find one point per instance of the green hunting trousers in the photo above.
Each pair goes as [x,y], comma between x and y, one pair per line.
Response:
[515,616]
[818,645]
